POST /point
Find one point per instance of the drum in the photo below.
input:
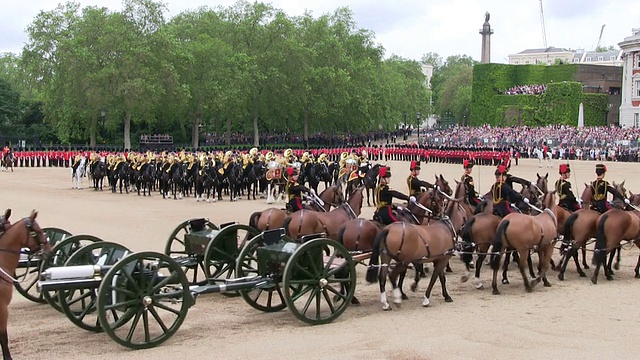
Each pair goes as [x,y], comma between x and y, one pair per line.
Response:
[272,165]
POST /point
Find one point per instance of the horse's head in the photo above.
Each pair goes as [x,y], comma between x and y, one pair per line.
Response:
[443,185]
[427,199]
[461,189]
[355,200]
[542,183]
[587,196]
[548,199]
[634,199]
[620,188]
[332,195]
[30,236]
[5,223]
[532,193]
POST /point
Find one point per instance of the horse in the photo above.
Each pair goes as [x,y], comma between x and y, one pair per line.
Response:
[78,171]
[524,233]
[306,222]
[207,180]
[370,182]
[252,178]
[7,161]
[172,180]
[146,178]
[612,227]
[318,173]
[25,233]
[119,176]
[98,170]
[274,218]
[579,228]
[408,243]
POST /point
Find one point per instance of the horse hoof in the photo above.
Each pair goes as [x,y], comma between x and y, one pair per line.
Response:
[616,266]
[609,277]
[585,266]
[535,282]
[355,301]
[594,280]
[561,276]
[448,270]
[464,278]
[404,297]
[472,265]
[414,286]
[496,292]
[637,276]
[583,274]
[478,284]
[448,299]
[426,302]
[547,284]
[505,281]
[387,307]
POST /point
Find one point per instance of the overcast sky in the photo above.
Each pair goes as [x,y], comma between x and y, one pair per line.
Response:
[410,28]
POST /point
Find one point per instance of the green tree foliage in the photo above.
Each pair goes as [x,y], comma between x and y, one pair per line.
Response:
[244,68]
[451,85]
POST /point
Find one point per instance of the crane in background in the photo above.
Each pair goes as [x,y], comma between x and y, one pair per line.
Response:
[599,38]
[544,31]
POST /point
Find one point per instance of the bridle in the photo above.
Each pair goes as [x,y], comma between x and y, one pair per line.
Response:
[31,233]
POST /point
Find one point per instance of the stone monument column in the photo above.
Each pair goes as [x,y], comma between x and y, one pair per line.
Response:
[486,32]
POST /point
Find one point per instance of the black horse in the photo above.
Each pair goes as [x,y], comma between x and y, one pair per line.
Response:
[206,180]
[173,180]
[319,173]
[7,161]
[252,178]
[146,178]
[120,177]
[98,170]
[371,181]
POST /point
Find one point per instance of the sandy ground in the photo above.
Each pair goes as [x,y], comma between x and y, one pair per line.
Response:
[573,319]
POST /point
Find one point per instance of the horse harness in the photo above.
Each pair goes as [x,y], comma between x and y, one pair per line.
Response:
[4,275]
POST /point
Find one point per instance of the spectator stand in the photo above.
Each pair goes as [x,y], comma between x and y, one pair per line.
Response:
[155,142]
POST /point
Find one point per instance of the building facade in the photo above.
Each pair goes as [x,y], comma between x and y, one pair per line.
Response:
[546,56]
[630,107]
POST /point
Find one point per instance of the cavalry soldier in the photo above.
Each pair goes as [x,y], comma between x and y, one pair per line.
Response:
[353,180]
[363,158]
[322,159]
[253,155]
[384,212]
[225,162]
[294,190]
[566,197]
[599,189]
[503,194]
[343,164]
[510,179]
[415,184]
[467,180]
[289,158]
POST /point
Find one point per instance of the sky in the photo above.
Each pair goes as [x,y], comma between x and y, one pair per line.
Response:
[411,28]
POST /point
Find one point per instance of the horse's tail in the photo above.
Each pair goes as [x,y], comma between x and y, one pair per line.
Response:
[373,270]
[286,223]
[600,249]
[497,244]
[568,228]
[253,219]
[467,237]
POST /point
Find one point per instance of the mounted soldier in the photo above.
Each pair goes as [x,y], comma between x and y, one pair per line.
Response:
[467,180]
[599,190]
[416,186]
[294,190]
[503,194]
[566,197]
[384,213]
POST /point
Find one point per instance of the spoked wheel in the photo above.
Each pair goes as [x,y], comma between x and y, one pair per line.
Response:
[80,304]
[143,299]
[191,259]
[222,251]
[28,270]
[318,288]
[59,256]
[267,299]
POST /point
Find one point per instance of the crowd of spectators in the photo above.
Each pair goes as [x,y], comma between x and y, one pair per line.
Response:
[524,90]
[315,139]
[156,138]
[562,142]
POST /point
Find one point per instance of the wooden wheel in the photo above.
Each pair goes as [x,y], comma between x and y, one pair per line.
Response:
[143,299]
[59,256]
[318,288]
[268,299]
[28,270]
[191,259]
[80,304]
[222,251]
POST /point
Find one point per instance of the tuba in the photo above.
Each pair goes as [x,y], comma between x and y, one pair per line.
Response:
[269,156]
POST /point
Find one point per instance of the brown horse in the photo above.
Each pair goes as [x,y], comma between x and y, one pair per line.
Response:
[461,192]
[407,243]
[306,222]
[579,228]
[25,233]
[614,226]
[274,218]
[524,233]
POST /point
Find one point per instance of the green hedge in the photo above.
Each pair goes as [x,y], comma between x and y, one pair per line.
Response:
[558,105]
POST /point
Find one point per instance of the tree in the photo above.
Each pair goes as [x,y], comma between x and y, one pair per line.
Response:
[10,105]
[606,48]
[451,87]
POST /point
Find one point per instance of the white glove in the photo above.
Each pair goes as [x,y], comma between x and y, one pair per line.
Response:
[312,191]
[626,201]
[398,208]
[412,199]
[526,200]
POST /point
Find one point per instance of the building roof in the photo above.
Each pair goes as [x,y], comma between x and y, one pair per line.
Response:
[550,49]
[605,54]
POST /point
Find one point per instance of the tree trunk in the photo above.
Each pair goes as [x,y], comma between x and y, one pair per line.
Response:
[127,131]
[195,135]
[256,136]
[227,134]
[92,134]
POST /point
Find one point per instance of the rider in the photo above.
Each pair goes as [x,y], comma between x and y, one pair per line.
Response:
[294,190]
[415,184]
[467,179]
[567,199]
[503,194]
[385,197]
[599,189]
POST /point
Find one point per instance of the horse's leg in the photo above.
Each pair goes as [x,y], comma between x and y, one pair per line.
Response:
[382,280]
[448,267]
[505,266]
[443,283]
[530,265]
[617,264]
[637,269]
[368,203]
[438,268]
[608,271]
[419,270]
[396,291]
[577,261]
[585,265]
[521,266]
[476,281]
[401,277]
[544,257]
[4,339]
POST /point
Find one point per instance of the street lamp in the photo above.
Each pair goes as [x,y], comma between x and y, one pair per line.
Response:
[418,115]
[404,133]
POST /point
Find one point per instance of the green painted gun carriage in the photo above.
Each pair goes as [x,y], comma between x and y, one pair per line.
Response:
[141,299]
